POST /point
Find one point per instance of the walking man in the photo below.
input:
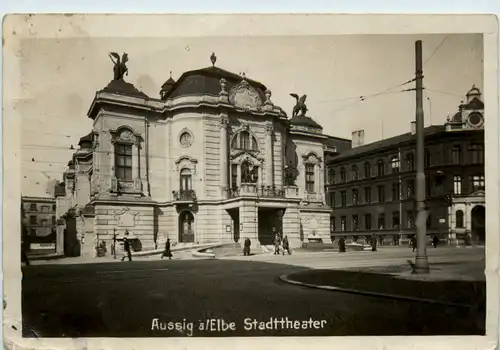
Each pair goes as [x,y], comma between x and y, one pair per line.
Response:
[286,246]
[167,252]
[413,243]
[277,242]
[246,247]
[374,242]
[126,250]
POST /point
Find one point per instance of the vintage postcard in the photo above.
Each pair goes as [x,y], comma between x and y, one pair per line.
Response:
[250,180]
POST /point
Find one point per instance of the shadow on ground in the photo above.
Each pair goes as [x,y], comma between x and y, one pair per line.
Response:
[124,299]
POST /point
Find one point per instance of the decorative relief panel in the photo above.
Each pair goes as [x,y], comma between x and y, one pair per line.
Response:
[186,138]
[125,218]
[245,96]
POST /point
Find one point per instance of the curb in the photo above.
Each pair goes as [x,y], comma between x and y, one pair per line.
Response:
[286,279]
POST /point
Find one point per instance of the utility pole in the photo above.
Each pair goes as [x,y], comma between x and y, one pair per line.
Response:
[421,261]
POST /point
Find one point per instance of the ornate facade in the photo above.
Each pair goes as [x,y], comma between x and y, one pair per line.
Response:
[212,160]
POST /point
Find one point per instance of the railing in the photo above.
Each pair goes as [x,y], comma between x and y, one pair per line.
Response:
[184,195]
[249,189]
[271,191]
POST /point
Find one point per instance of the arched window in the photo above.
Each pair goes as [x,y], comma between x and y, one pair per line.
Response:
[395,164]
[410,161]
[249,173]
[380,168]
[245,141]
[342,175]
[368,170]
[186,181]
[354,172]
[459,219]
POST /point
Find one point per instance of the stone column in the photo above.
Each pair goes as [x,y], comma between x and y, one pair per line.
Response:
[249,222]
[269,155]
[136,162]
[223,153]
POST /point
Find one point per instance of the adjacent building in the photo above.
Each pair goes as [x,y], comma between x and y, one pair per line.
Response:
[212,159]
[371,187]
[39,223]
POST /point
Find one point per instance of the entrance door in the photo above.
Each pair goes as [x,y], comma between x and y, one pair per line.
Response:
[186,227]
[478,226]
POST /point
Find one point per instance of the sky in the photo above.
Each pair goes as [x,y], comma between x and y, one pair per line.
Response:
[61,76]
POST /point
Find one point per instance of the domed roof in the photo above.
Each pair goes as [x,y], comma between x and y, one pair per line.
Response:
[474,91]
[123,88]
[303,120]
[206,81]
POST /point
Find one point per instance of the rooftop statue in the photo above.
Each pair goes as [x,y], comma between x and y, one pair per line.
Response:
[120,69]
[300,106]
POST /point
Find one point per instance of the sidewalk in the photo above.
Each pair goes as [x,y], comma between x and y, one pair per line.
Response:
[454,284]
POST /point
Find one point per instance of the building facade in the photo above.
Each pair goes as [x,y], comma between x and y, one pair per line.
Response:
[38,218]
[371,187]
[212,160]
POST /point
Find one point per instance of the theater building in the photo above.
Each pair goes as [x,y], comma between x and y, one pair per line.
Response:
[371,187]
[211,160]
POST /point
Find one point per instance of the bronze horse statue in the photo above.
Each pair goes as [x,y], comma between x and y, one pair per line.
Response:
[300,106]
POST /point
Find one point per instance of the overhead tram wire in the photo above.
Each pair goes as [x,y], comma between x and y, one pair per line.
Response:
[436,49]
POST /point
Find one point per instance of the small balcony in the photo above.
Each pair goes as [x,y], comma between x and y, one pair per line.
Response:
[271,192]
[186,196]
[252,190]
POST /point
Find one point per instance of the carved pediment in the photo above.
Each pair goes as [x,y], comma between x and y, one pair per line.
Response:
[244,95]
[479,193]
[246,156]
[186,161]
[311,157]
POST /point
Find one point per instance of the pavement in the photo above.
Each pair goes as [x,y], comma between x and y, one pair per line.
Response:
[138,299]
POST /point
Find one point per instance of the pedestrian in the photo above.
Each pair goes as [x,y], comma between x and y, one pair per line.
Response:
[126,250]
[286,246]
[342,245]
[246,247]
[167,252]
[374,242]
[413,243]
[435,241]
[277,243]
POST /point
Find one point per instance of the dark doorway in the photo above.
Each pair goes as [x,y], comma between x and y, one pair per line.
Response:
[186,227]
[270,223]
[478,223]
[71,242]
[235,216]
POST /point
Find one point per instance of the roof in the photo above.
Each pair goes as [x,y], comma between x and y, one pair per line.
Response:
[86,138]
[304,121]
[475,103]
[207,81]
[123,88]
[37,199]
[168,83]
[386,143]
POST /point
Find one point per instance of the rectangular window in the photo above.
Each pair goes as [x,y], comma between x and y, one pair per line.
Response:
[331,176]
[331,199]
[123,162]
[410,219]
[33,207]
[343,198]
[32,232]
[234,175]
[410,188]
[381,221]
[395,191]
[355,196]
[476,153]
[428,186]
[310,178]
[332,224]
[342,223]
[45,209]
[53,220]
[457,184]
[368,221]
[395,219]
[32,220]
[381,194]
[54,207]
[477,183]
[456,155]
[368,194]
[355,223]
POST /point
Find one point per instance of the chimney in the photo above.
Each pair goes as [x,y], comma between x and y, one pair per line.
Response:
[358,138]
[413,127]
